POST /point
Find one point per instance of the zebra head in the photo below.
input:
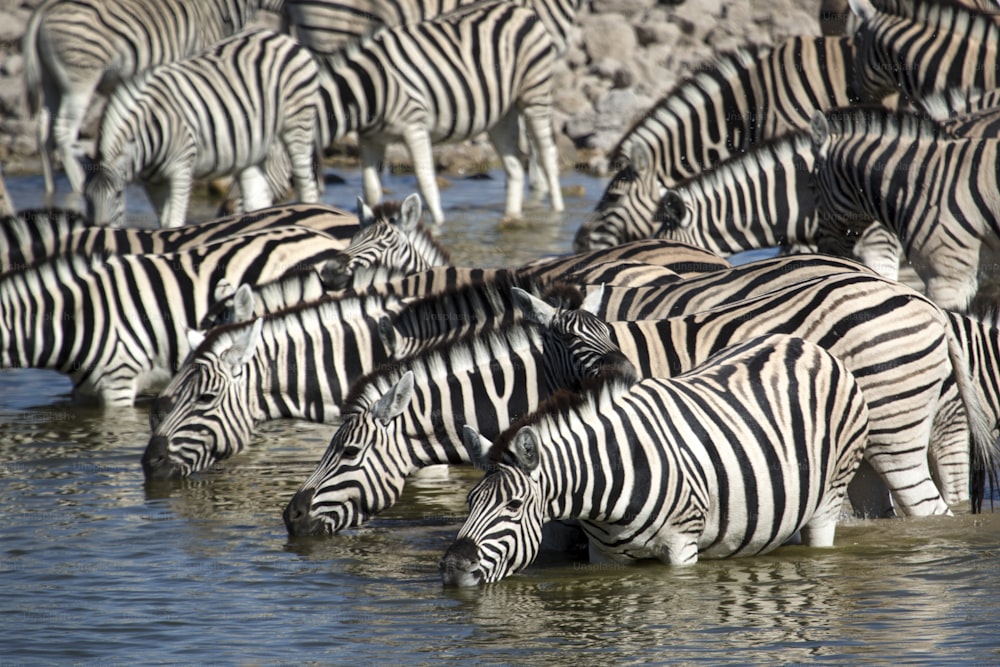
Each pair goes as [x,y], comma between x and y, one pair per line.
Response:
[503,531]
[627,209]
[877,63]
[362,472]
[398,242]
[204,415]
[576,339]
[105,191]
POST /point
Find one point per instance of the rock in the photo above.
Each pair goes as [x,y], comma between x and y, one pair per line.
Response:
[608,36]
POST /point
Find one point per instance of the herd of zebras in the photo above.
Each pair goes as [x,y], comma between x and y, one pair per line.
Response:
[643,392]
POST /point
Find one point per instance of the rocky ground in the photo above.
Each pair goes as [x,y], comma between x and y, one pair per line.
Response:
[626,54]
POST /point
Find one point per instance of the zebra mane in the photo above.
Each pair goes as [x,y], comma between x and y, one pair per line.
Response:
[951,14]
[561,404]
[563,295]
[874,119]
[728,64]
[423,235]
[440,361]
[494,289]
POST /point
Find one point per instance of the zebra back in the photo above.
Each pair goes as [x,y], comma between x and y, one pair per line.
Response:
[299,364]
[33,236]
[675,469]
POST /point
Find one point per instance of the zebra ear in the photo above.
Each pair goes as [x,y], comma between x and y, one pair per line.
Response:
[477,446]
[243,349]
[640,157]
[366,216]
[243,303]
[194,338]
[819,129]
[592,302]
[395,400]
[863,9]
[525,449]
[532,308]
[387,333]
[410,212]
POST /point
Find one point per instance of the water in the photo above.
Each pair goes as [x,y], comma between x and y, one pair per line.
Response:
[98,568]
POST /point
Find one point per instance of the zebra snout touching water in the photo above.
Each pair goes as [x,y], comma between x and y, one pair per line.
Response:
[214,114]
[730,459]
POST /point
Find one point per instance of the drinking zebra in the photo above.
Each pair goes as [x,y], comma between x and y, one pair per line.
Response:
[761,198]
[409,415]
[73,48]
[730,459]
[913,369]
[117,325]
[212,114]
[937,192]
[743,97]
[447,79]
[35,235]
[294,363]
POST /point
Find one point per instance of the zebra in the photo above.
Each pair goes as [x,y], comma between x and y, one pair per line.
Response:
[293,363]
[74,48]
[730,459]
[964,112]
[762,198]
[117,325]
[913,369]
[447,79]
[407,416]
[929,187]
[34,235]
[933,47]
[214,113]
[742,97]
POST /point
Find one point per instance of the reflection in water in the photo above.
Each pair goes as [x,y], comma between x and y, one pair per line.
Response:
[96,566]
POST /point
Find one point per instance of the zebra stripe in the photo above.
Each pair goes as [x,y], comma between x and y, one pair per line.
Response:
[941,45]
[746,96]
[730,459]
[299,365]
[913,370]
[35,235]
[935,191]
[213,114]
[449,79]
[73,47]
[326,26]
[118,326]
[409,415]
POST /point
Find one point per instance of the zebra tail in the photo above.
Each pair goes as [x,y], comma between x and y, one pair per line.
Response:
[984,450]
[32,59]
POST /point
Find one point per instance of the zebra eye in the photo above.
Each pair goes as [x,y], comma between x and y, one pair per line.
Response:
[514,505]
[350,452]
[206,398]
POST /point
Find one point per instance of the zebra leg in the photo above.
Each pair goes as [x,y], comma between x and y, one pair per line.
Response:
[65,132]
[46,149]
[254,187]
[504,136]
[175,198]
[299,152]
[879,249]
[954,292]
[372,158]
[418,141]
[539,126]
[906,471]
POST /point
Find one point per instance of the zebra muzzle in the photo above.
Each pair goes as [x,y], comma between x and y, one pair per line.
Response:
[156,463]
[298,520]
[460,565]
